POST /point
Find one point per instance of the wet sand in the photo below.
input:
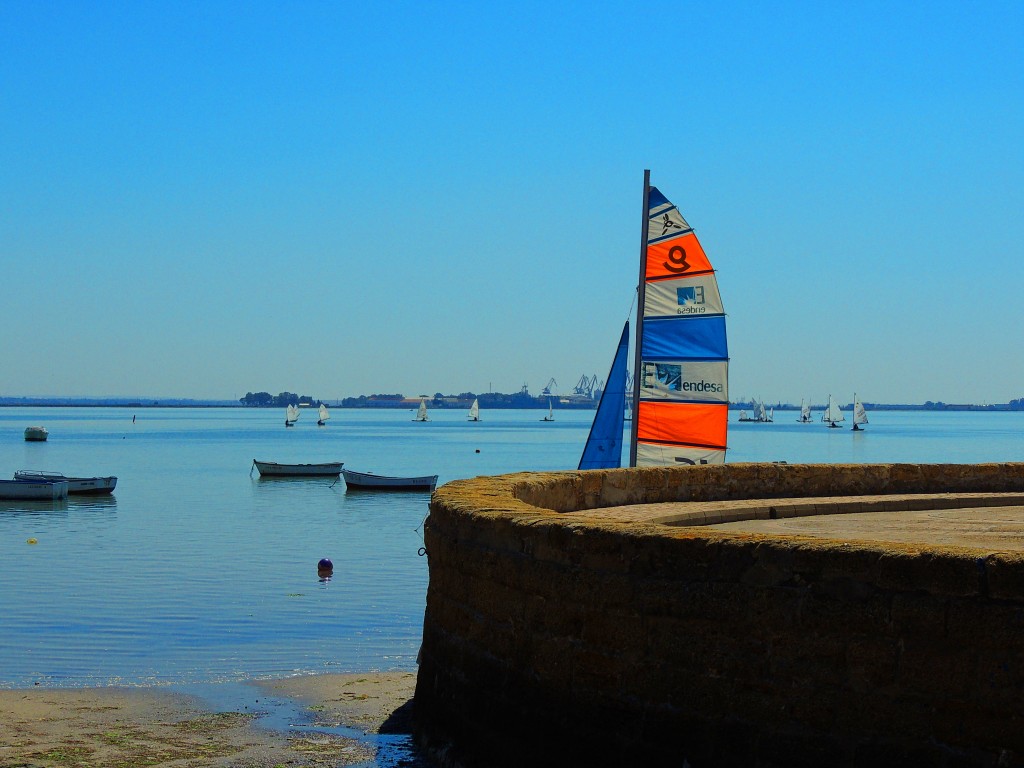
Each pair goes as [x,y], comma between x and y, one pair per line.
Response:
[123,727]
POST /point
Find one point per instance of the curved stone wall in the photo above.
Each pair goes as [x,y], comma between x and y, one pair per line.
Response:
[561,632]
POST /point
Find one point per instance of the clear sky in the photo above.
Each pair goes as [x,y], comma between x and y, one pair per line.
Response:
[203,199]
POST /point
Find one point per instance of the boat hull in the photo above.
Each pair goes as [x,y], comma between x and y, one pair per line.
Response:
[23,490]
[273,469]
[364,481]
[85,486]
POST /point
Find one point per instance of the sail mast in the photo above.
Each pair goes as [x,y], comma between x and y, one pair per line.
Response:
[637,352]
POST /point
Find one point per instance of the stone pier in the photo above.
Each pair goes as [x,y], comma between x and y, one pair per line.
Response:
[735,615]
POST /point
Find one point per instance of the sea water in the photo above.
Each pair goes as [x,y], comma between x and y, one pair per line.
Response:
[197,571]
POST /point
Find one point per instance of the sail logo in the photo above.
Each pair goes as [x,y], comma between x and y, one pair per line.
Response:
[668,377]
[667,224]
[690,300]
[676,260]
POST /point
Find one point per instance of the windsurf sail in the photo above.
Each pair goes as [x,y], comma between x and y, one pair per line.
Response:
[681,364]
[603,449]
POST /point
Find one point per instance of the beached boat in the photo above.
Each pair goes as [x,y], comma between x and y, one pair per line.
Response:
[366,481]
[324,415]
[421,413]
[474,410]
[833,414]
[46,490]
[36,434]
[680,399]
[860,416]
[273,469]
[76,485]
[291,415]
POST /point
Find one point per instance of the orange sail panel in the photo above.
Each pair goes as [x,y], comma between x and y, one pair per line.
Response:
[682,391]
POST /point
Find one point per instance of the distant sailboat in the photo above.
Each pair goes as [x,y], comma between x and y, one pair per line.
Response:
[860,416]
[551,413]
[832,414]
[680,397]
[421,414]
[805,412]
[474,410]
[291,415]
[324,415]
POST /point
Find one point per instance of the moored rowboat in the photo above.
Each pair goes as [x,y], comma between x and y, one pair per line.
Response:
[79,485]
[366,481]
[45,490]
[36,434]
[273,469]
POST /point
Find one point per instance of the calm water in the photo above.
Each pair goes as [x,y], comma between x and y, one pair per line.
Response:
[196,571]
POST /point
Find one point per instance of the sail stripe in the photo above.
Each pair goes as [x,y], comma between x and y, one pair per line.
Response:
[684,423]
[682,409]
[685,338]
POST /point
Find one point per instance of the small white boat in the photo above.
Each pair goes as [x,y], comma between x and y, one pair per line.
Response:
[36,434]
[421,413]
[833,414]
[860,416]
[273,469]
[551,413]
[22,489]
[291,415]
[366,481]
[474,410]
[324,415]
[79,485]
[805,412]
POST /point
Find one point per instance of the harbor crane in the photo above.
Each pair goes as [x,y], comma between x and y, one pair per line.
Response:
[549,387]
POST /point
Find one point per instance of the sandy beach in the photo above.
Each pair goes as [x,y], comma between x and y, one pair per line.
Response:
[127,727]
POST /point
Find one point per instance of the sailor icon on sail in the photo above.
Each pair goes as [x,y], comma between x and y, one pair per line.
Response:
[667,224]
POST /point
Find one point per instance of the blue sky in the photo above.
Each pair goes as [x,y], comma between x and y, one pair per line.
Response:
[204,199]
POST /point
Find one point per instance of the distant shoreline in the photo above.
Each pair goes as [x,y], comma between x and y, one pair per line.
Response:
[391,406]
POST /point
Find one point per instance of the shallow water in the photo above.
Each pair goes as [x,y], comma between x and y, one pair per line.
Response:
[196,571]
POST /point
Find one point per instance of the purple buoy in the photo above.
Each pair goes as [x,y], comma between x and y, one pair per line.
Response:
[325,565]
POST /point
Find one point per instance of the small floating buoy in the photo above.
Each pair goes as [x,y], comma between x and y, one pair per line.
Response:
[478,450]
[32,541]
[325,565]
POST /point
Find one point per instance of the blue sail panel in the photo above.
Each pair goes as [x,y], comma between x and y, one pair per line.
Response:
[603,449]
[690,338]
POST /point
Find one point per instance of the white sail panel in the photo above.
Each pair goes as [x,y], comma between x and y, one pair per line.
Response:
[664,222]
[686,380]
[653,455]
[683,297]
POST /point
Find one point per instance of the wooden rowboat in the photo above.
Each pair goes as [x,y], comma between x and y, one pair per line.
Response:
[78,485]
[365,481]
[273,469]
[22,489]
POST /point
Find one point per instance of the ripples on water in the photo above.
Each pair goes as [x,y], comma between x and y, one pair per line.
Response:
[196,571]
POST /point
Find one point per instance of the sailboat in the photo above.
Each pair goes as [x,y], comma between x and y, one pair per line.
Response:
[474,410]
[860,416]
[551,413]
[833,414]
[421,413]
[603,449]
[681,360]
[291,415]
[805,412]
[324,415]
